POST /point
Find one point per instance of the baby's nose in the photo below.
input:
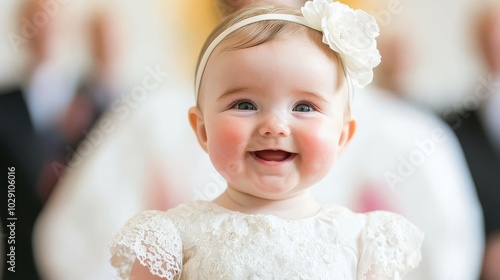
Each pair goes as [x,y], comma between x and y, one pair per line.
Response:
[274,125]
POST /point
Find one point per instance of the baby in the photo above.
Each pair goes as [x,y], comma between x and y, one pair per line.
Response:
[273,92]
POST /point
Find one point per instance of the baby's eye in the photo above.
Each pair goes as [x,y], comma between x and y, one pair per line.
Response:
[303,107]
[244,105]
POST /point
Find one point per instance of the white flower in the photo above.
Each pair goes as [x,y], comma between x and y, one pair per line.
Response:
[351,33]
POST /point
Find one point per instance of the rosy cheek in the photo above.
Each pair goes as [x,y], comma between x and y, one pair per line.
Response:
[319,145]
[226,134]
[226,144]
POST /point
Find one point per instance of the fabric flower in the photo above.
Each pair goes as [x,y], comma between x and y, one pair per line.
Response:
[350,33]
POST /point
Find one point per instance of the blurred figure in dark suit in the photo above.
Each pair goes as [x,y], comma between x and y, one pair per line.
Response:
[93,93]
[477,126]
[41,122]
[23,121]
[19,149]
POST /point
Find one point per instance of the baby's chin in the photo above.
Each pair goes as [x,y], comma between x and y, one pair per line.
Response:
[272,191]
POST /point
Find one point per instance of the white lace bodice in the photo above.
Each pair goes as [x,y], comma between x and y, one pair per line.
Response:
[202,240]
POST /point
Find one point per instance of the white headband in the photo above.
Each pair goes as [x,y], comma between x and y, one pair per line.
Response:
[330,18]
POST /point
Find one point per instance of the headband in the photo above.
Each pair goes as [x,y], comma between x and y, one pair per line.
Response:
[350,33]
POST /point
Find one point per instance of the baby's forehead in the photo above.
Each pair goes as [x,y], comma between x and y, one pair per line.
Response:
[264,34]
[296,62]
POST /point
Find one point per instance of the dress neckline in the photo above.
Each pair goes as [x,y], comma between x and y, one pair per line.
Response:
[217,208]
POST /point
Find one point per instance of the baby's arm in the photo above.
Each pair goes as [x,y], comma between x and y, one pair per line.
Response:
[149,244]
[140,272]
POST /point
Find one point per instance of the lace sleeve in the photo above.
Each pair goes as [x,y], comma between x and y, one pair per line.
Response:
[389,247]
[153,240]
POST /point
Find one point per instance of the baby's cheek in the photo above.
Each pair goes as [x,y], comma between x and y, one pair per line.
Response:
[227,135]
[226,145]
[318,149]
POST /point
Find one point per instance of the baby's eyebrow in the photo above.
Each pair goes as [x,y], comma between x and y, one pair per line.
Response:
[313,94]
[232,91]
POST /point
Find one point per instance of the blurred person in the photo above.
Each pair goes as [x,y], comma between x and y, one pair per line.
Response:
[102,80]
[96,88]
[476,122]
[129,164]
[59,110]
[19,150]
[397,53]
[131,160]
[41,117]
[435,63]
[28,114]
[417,169]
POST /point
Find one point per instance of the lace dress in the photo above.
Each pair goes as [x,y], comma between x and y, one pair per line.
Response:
[201,240]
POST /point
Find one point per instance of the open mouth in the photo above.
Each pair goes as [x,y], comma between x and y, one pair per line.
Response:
[274,155]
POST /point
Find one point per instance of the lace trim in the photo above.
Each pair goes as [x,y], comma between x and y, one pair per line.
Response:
[153,240]
[391,247]
[218,244]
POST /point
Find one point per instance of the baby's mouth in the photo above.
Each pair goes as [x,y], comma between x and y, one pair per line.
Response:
[273,155]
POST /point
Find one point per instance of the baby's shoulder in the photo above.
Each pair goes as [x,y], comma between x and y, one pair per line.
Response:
[388,245]
[390,224]
[155,238]
[370,223]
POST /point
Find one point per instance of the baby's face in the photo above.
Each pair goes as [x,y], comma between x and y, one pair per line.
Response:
[272,121]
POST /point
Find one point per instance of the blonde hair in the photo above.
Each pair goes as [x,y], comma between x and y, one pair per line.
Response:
[262,32]
[228,7]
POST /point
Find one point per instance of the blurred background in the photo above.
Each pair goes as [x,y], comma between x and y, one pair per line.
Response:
[93,104]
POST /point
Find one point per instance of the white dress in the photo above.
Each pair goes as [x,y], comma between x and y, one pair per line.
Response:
[201,240]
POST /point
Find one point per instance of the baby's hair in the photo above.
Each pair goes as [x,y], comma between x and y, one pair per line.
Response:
[265,31]
[228,7]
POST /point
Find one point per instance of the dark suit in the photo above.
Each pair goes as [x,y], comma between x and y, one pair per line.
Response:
[484,164]
[19,149]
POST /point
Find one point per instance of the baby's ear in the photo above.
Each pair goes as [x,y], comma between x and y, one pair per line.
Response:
[346,136]
[198,125]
